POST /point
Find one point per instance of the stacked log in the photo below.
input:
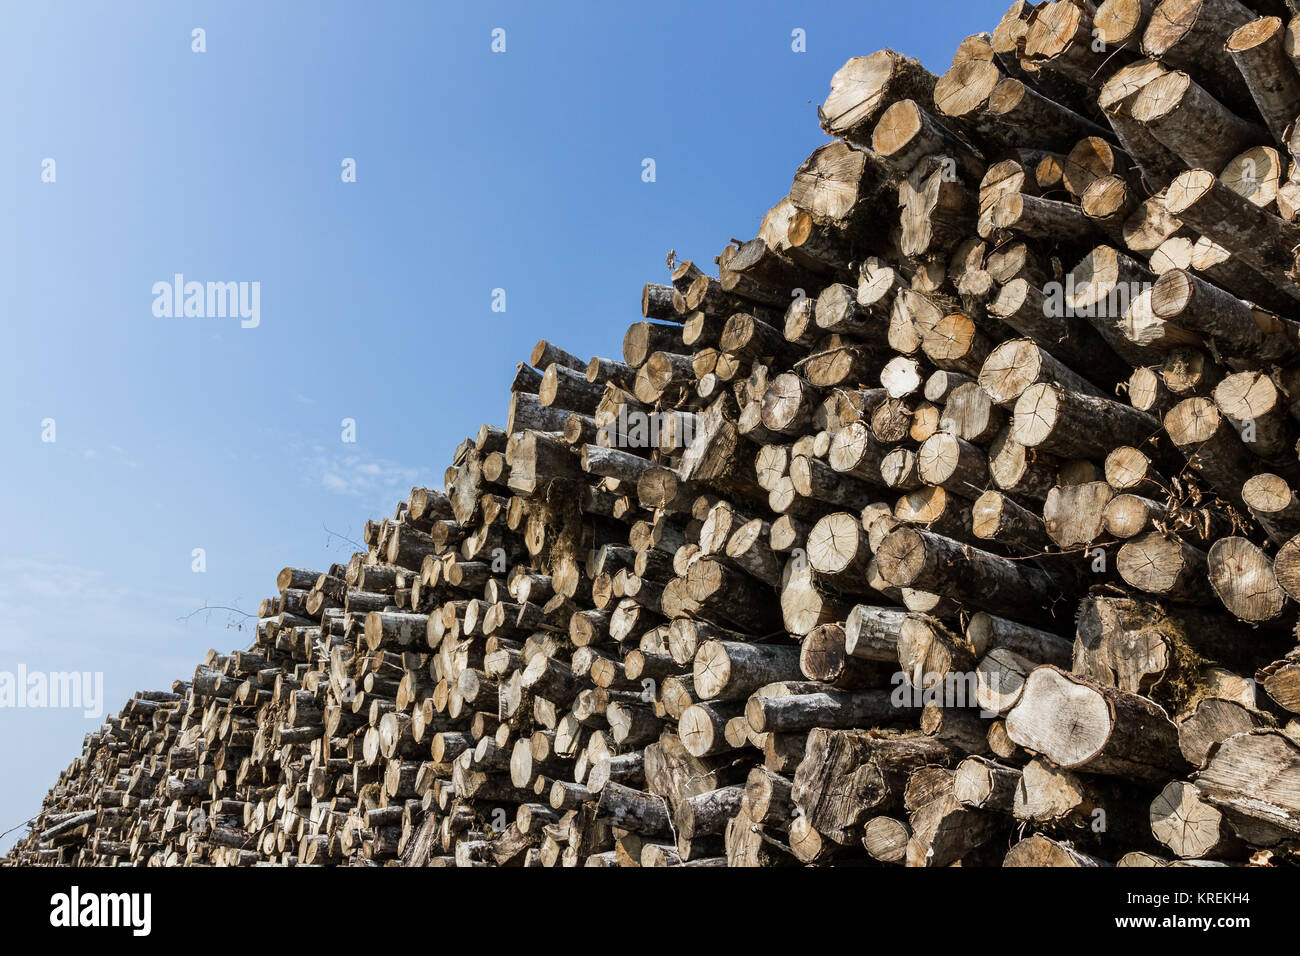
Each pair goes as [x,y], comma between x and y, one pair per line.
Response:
[951,520]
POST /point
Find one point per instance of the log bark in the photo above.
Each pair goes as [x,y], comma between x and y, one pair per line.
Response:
[1191,123]
[1212,447]
[913,558]
[1253,779]
[1017,364]
[1107,731]
[1258,50]
[1262,241]
[996,517]
[1236,327]
[731,670]
[985,784]
[1056,420]
[1214,720]
[850,776]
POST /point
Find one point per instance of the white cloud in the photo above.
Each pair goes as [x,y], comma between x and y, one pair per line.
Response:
[378,482]
[21,581]
[115,453]
[67,611]
[124,456]
[334,483]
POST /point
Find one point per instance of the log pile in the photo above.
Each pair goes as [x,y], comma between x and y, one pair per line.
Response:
[952,519]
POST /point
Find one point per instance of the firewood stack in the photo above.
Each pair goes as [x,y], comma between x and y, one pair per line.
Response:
[953,519]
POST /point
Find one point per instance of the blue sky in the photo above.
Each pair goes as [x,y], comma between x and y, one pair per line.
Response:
[475,171]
